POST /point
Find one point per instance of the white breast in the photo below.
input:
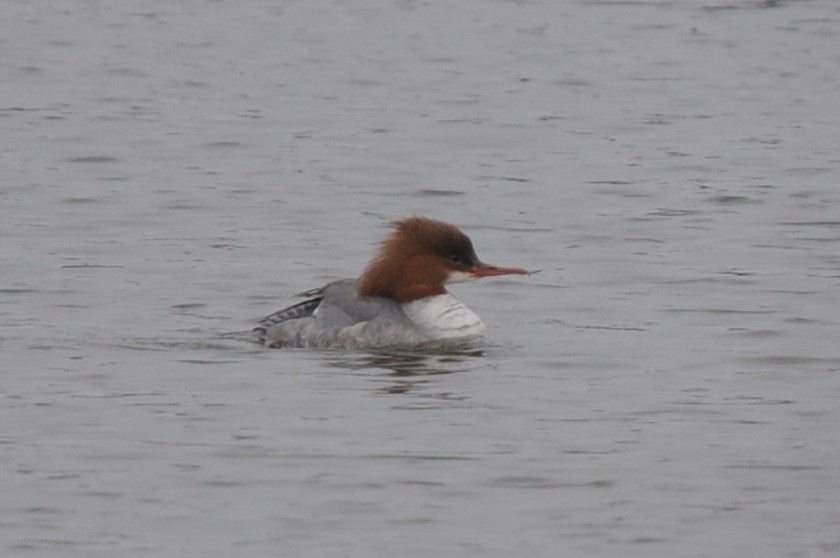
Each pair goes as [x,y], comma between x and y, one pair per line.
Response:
[443,317]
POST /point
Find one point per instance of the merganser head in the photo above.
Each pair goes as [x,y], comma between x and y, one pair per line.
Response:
[419,257]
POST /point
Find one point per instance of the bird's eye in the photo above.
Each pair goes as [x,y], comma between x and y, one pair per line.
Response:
[455,258]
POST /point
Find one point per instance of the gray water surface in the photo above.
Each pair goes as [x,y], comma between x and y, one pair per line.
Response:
[667,385]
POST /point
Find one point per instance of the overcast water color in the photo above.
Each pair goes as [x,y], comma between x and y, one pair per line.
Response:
[667,385]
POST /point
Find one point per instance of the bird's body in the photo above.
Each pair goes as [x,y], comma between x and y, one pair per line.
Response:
[399,301]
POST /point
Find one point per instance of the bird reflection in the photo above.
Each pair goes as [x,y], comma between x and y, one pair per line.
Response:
[413,369]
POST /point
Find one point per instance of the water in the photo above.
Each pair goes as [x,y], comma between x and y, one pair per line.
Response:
[666,385]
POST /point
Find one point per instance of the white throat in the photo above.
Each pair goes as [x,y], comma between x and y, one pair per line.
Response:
[443,317]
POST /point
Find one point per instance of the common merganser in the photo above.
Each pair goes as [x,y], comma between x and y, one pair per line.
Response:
[399,301]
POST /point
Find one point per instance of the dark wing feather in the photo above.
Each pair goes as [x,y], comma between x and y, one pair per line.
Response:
[300,310]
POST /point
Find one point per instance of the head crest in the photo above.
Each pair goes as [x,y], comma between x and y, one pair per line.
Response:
[412,261]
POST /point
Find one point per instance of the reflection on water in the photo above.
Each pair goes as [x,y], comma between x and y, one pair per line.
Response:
[409,371]
[409,363]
